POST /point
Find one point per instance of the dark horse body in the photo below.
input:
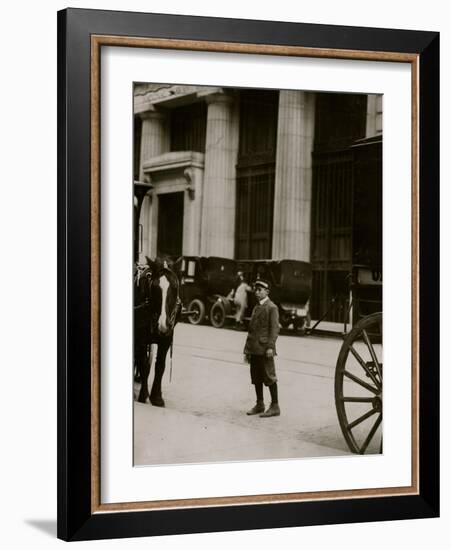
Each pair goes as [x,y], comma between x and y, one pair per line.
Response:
[156,312]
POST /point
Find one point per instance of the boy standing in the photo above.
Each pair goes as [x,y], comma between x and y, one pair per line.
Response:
[260,349]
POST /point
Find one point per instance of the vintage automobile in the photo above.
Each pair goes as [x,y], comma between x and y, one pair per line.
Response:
[291,284]
[202,280]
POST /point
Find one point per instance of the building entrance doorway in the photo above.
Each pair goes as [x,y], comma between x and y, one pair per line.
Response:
[170,224]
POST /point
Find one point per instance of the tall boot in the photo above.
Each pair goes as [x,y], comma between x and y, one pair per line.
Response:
[274,409]
[259,405]
[273,392]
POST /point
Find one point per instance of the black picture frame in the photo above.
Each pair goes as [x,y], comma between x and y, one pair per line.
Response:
[77,517]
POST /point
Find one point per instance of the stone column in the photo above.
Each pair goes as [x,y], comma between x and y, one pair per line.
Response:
[374,115]
[219,197]
[154,142]
[293,185]
[154,137]
[145,220]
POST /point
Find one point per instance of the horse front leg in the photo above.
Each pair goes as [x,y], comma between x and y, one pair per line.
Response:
[156,397]
[143,362]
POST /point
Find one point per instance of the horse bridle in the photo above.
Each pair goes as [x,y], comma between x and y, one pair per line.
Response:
[153,276]
[178,302]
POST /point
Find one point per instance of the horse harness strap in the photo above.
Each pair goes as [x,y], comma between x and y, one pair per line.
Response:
[177,307]
[172,320]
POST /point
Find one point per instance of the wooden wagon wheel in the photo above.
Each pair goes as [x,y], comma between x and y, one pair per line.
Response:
[358,386]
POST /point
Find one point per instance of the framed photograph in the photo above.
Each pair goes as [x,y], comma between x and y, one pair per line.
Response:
[248,274]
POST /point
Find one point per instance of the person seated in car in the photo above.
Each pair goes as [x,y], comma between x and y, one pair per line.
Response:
[240,299]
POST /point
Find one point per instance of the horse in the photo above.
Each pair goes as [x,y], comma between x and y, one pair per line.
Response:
[157,308]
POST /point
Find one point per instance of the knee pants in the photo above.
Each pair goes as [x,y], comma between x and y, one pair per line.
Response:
[263,370]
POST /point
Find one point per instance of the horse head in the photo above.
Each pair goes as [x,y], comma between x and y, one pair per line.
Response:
[165,301]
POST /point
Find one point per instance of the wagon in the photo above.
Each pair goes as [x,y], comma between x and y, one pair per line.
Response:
[359,368]
[291,284]
[358,373]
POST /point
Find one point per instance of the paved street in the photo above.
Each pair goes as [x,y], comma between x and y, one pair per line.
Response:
[206,401]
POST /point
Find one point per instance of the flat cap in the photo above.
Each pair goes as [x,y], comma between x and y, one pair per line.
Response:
[262,283]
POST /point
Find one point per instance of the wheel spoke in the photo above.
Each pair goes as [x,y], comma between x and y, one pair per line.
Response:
[357,380]
[357,399]
[372,353]
[361,419]
[359,408]
[364,366]
[371,435]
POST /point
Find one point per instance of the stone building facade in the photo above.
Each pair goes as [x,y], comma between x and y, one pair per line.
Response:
[232,172]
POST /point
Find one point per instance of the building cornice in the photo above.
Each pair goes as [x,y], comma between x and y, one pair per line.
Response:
[175,160]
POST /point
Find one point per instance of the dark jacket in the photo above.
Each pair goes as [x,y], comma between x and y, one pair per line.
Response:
[263,329]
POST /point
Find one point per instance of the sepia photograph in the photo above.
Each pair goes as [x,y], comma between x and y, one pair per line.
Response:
[257,274]
[248,243]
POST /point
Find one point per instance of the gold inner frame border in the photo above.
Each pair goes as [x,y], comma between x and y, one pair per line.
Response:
[97,41]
